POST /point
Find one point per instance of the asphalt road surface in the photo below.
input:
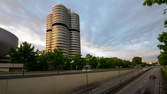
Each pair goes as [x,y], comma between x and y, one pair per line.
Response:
[148,83]
[101,88]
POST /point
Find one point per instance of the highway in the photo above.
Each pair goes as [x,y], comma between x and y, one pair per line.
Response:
[145,84]
[141,85]
[103,87]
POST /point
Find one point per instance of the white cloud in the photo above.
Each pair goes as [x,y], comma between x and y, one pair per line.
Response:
[111,28]
[25,34]
[127,52]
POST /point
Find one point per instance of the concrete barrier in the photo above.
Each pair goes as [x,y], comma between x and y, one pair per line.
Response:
[59,84]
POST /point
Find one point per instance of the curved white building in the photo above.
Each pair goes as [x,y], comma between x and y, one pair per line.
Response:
[7,41]
[63,31]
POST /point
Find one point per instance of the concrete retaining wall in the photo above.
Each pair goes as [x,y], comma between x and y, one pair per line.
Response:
[60,84]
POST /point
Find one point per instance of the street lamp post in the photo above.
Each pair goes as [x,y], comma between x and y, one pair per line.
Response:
[87,67]
[71,64]
[120,73]
[87,75]
[23,69]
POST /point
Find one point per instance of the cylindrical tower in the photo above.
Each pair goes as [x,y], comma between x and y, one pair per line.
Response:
[60,28]
[63,31]
[49,32]
[74,34]
[61,15]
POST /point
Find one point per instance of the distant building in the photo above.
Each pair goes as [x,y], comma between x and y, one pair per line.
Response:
[151,62]
[11,67]
[63,30]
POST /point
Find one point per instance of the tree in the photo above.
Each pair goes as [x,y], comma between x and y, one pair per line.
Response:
[103,62]
[137,60]
[42,61]
[151,2]
[14,56]
[67,64]
[91,60]
[56,59]
[163,47]
[163,39]
[162,58]
[163,36]
[25,54]
[77,61]
[159,2]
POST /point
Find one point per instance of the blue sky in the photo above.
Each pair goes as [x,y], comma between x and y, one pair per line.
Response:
[109,28]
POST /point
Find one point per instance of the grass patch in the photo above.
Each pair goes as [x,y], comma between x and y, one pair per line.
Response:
[3,72]
[164,76]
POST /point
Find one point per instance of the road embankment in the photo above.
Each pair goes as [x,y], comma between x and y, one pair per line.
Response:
[55,84]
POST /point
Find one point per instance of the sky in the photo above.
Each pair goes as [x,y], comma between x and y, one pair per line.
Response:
[109,28]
